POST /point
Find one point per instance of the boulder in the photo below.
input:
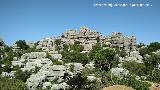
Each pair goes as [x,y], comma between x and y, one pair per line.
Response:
[119,72]
[46,84]
[56,56]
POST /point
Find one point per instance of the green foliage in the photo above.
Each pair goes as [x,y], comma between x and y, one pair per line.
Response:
[11,84]
[1,54]
[123,53]
[154,46]
[87,71]
[57,42]
[95,48]
[22,44]
[135,68]
[143,51]
[152,62]
[132,82]
[76,47]
[74,56]
[48,55]
[140,45]
[1,42]
[22,75]
[7,49]
[98,39]
[65,47]
[77,42]
[7,68]
[154,76]
[71,67]
[7,61]
[56,62]
[104,59]
[77,82]
[80,82]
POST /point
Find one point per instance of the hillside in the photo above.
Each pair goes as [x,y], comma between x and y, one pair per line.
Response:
[80,60]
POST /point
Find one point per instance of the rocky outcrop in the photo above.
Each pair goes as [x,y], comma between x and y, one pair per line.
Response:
[87,38]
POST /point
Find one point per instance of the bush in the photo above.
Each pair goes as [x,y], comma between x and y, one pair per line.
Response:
[74,56]
[132,82]
[56,62]
[11,84]
[135,68]
[22,75]
[154,76]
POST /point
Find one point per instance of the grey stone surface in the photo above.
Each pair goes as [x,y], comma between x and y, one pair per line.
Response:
[34,55]
[46,84]
[119,72]
[8,74]
[17,63]
[77,67]
[56,56]
[91,78]
[90,65]
[133,56]
[49,73]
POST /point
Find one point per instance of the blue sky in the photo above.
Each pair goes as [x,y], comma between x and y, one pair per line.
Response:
[33,20]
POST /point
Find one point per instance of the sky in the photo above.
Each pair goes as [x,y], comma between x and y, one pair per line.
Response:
[33,20]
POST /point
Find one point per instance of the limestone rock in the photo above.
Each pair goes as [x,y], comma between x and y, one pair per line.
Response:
[119,72]
[8,74]
[56,56]
[46,84]
[34,55]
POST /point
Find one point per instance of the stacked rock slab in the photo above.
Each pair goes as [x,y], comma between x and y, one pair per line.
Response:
[47,45]
[120,41]
[87,38]
[46,74]
[29,61]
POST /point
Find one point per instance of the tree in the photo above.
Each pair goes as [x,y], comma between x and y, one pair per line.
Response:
[77,82]
[154,46]
[140,45]
[104,59]
[7,61]
[143,51]
[57,42]
[95,49]
[80,82]
[1,42]
[22,44]
[152,62]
